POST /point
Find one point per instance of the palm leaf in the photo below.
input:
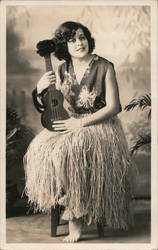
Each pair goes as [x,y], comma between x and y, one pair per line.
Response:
[12,120]
[11,134]
[18,137]
[141,102]
[142,140]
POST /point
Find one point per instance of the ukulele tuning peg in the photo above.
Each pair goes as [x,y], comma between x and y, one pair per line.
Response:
[46,47]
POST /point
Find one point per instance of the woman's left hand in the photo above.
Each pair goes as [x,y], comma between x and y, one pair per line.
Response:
[68,125]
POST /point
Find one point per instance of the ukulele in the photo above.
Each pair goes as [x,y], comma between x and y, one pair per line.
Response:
[53,99]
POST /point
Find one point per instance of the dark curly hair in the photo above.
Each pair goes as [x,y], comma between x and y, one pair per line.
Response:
[64,33]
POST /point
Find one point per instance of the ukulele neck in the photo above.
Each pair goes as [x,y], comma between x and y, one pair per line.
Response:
[49,67]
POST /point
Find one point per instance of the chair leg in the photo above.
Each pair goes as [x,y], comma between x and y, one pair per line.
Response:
[100,228]
[55,217]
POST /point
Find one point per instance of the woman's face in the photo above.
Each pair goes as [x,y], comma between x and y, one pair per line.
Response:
[78,45]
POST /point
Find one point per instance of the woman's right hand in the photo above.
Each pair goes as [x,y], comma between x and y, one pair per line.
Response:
[47,79]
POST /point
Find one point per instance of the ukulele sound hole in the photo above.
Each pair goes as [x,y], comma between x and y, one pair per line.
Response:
[54,103]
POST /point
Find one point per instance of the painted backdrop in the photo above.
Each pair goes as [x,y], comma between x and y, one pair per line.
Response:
[122,35]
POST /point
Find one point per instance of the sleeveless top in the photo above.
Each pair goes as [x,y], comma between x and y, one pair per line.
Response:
[88,96]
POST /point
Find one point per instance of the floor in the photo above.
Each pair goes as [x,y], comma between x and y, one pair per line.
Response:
[22,228]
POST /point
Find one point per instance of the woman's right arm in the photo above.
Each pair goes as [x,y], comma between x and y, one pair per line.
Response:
[42,85]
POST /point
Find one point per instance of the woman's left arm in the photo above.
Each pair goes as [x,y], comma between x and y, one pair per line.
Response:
[112,100]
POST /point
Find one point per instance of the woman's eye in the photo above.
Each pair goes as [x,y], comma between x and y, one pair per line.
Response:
[82,38]
[72,40]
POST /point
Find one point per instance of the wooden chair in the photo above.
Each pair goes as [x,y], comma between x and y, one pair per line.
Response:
[55,219]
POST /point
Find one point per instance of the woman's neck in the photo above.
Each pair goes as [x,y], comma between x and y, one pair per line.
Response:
[85,59]
[80,65]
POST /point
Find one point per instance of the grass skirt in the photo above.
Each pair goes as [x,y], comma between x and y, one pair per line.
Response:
[93,168]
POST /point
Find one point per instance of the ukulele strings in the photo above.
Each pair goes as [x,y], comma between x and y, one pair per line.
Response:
[56,114]
[56,109]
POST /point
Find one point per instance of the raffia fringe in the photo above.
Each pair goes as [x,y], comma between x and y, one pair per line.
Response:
[97,156]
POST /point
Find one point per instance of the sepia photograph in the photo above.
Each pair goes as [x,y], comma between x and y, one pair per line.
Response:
[79,98]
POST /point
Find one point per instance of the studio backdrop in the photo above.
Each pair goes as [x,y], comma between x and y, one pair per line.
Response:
[122,35]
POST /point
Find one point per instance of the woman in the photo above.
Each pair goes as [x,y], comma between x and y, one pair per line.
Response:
[84,165]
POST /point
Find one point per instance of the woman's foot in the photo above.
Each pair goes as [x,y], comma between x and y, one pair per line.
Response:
[75,231]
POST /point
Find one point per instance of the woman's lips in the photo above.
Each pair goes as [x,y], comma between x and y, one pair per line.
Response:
[80,49]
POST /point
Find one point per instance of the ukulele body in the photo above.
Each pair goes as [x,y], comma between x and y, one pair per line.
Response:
[53,101]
